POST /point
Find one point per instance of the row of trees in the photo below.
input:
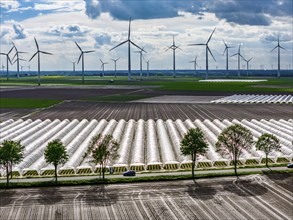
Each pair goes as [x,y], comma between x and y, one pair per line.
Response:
[232,141]
[103,149]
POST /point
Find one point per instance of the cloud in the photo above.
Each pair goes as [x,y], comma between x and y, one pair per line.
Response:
[273,37]
[102,39]
[249,12]
[12,4]
[19,31]
[72,30]
[147,9]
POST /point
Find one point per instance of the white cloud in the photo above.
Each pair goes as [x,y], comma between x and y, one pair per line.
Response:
[9,4]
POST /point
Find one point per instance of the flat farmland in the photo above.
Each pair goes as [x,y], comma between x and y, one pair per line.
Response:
[251,197]
[126,111]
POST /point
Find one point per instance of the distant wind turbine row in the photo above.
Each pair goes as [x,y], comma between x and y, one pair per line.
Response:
[173,47]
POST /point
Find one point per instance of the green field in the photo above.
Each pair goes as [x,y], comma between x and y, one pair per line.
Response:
[26,103]
[163,83]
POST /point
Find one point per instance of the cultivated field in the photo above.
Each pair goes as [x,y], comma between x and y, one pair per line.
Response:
[252,197]
[126,111]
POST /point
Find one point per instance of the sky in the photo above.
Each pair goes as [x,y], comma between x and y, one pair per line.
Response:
[100,25]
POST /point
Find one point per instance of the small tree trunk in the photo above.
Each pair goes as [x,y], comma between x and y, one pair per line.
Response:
[55,173]
[235,167]
[11,170]
[7,175]
[267,161]
[193,165]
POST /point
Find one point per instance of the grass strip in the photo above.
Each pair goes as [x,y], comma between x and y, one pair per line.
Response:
[26,103]
[131,180]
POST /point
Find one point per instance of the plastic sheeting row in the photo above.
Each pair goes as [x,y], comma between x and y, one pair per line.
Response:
[144,145]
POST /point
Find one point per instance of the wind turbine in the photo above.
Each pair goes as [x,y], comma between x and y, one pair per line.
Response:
[141,57]
[7,62]
[115,61]
[247,63]
[239,55]
[129,43]
[103,67]
[195,64]
[39,60]
[81,56]
[73,65]
[174,48]
[279,57]
[227,57]
[17,58]
[148,68]
[207,52]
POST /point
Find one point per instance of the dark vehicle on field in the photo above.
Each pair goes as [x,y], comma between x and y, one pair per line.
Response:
[290,165]
[129,173]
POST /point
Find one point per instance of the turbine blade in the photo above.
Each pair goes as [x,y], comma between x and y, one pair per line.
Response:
[21,52]
[129,28]
[234,55]
[33,56]
[101,61]
[22,59]
[89,51]
[225,43]
[177,47]
[79,58]
[224,50]
[135,45]
[14,56]
[168,48]
[196,44]
[250,59]
[45,52]
[239,48]
[119,45]
[14,61]
[9,59]
[274,48]
[211,36]
[282,48]
[36,43]
[10,50]
[78,46]
[211,54]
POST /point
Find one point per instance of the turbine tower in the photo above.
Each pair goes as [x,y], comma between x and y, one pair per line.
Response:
[239,55]
[103,67]
[195,64]
[227,57]
[81,56]
[73,65]
[17,58]
[247,64]
[129,44]
[140,58]
[115,62]
[279,57]
[174,48]
[39,60]
[207,52]
[7,62]
[148,68]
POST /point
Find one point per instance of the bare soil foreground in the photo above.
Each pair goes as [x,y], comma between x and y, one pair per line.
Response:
[126,111]
[251,197]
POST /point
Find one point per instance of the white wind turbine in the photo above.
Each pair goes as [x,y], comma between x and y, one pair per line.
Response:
[140,59]
[279,55]
[195,64]
[239,55]
[103,67]
[129,44]
[115,62]
[227,57]
[174,48]
[207,52]
[17,58]
[7,62]
[247,64]
[81,56]
[148,68]
[39,60]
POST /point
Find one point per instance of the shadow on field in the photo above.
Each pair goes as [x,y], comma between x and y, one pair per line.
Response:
[6,197]
[100,196]
[245,188]
[283,179]
[201,191]
[49,196]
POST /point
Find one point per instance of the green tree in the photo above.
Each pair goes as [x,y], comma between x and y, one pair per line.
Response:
[232,140]
[55,154]
[193,143]
[11,152]
[103,149]
[267,142]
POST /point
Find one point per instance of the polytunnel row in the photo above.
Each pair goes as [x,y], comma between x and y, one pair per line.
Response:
[284,99]
[144,145]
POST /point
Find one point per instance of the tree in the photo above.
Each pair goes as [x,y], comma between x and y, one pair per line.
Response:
[56,154]
[11,152]
[193,143]
[267,142]
[103,149]
[232,140]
